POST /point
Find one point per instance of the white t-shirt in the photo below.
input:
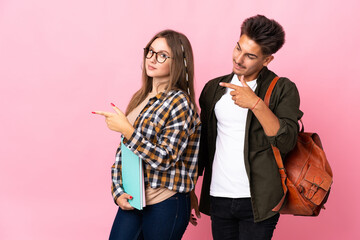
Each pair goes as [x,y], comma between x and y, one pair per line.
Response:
[229,178]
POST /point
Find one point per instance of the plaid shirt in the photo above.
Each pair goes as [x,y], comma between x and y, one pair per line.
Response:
[166,138]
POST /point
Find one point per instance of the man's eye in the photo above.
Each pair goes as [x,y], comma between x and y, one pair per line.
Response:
[251,57]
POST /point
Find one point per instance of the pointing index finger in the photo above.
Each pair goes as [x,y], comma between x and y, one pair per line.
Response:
[105,114]
[229,85]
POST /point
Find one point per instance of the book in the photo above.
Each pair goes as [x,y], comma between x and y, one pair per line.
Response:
[132,177]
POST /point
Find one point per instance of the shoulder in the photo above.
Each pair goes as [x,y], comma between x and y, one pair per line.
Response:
[179,101]
[177,97]
[285,92]
[286,82]
[284,85]
[181,105]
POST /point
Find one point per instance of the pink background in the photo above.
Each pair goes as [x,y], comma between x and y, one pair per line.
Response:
[60,60]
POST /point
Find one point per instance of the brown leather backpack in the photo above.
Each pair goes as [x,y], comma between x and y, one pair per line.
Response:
[306,175]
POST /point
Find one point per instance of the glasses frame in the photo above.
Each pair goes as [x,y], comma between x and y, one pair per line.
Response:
[147,50]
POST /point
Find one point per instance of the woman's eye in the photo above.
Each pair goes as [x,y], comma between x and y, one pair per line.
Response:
[163,55]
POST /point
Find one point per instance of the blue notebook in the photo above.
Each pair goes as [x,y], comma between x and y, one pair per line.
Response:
[132,177]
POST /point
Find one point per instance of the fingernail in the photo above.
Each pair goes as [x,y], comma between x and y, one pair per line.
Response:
[93,112]
[112,104]
[131,197]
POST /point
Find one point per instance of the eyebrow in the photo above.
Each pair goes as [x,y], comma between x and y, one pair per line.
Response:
[249,54]
[161,51]
[253,55]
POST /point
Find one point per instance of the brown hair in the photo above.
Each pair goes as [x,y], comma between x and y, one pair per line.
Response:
[177,69]
[269,34]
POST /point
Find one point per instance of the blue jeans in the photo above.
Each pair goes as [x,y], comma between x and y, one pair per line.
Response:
[232,218]
[166,220]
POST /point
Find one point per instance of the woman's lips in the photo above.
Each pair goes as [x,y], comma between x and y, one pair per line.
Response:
[151,67]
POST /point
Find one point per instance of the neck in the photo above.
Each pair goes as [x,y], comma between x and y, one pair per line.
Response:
[159,85]
[250,77]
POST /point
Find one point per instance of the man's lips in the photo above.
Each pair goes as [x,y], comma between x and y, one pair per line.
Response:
[238,66]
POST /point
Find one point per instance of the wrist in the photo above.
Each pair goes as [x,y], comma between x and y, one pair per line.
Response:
[255,104]
[128,131]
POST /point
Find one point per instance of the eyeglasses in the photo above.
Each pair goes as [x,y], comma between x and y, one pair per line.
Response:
[160,56]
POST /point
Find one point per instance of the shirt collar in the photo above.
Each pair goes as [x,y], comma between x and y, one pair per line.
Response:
[162,95]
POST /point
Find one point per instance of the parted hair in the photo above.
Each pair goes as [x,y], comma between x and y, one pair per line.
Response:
[177,69]
[267,33]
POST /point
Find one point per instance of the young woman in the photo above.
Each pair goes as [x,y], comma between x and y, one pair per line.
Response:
[162,127]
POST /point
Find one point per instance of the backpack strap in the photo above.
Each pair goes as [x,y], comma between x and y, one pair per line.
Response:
[269,90]
[276,151]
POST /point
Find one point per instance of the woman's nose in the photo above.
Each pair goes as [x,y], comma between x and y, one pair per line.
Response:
[153,58]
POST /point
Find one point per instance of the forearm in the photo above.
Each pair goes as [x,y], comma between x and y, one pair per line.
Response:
[267,118]
[116,186]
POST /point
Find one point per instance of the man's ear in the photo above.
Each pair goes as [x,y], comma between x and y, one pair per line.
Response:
[267,60]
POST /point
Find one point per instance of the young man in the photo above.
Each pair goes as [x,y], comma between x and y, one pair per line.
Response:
[241,183]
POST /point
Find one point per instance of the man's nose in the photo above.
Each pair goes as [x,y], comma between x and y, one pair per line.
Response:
[239,58]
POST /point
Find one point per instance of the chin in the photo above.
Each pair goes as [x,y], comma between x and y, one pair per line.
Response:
[237,72]
[149,73]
